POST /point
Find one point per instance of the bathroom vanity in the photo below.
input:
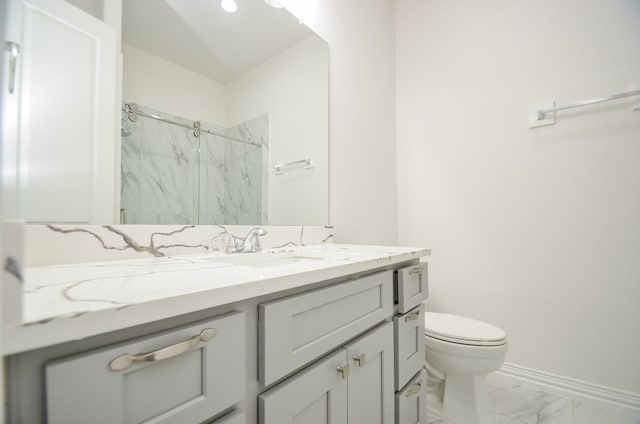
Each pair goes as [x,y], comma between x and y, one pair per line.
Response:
[318,334]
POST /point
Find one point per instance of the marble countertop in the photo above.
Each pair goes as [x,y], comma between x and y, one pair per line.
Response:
[73,301]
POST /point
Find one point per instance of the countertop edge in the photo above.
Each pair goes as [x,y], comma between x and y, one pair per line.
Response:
[37,335]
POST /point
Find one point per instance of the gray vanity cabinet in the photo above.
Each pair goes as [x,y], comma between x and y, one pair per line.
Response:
[352,385]
[340,352]
[181,376]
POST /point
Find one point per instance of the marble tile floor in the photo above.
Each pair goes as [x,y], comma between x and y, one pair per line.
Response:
[520,402]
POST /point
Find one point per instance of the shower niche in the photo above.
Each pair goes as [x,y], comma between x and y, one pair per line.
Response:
[178,171]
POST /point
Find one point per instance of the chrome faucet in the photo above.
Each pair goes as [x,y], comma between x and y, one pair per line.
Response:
[249,244]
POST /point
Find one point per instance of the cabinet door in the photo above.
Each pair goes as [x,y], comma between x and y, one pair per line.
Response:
[316,395]
[411,401]
[371,394]
[409,344]
[180,376]
[66,122]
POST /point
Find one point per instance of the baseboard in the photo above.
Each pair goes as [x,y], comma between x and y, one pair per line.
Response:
[573,388]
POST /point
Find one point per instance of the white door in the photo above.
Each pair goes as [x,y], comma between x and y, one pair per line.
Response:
[371,383]
[11,234]
[66,132]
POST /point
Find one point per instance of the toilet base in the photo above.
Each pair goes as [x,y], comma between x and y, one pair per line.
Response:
[466,399]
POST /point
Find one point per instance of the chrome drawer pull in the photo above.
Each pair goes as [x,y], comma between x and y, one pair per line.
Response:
[360,359]
[416,271]
[415,390]
[345,371]
[125,361]
[412,317]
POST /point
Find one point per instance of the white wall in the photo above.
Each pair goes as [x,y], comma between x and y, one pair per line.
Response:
[292,88]
[92,7]
[362,147]
[171,88]
[537,231]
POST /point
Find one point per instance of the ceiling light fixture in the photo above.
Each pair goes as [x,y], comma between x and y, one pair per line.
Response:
[273,3]
[229,6]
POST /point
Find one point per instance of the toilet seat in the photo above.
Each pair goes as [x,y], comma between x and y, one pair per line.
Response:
[462,330]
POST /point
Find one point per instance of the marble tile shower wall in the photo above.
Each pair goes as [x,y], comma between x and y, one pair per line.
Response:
[170,176]
[257,175]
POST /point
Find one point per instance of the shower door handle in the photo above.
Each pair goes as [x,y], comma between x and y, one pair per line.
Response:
[123,215]
[14,51]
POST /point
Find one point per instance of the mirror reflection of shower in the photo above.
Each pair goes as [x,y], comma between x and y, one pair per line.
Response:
[177,171]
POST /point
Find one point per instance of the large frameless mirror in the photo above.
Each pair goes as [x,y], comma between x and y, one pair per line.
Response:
[224,115]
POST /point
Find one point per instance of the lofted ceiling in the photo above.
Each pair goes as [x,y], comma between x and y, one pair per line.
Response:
[200,36]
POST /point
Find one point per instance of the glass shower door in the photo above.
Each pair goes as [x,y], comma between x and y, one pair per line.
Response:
[159,172]
[230,181]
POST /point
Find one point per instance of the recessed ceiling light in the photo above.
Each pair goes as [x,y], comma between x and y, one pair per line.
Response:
[273,3]
[229,6]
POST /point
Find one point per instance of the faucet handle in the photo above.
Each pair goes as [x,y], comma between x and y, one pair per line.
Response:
[256,239]
[259,231]
[233,244]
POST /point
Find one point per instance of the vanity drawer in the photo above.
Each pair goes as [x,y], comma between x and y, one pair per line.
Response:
[187,376]
[411,401]
[409,345]
[295,330]
[412,286]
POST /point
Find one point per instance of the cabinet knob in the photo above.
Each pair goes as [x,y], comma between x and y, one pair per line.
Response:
[345,371]
[360,359]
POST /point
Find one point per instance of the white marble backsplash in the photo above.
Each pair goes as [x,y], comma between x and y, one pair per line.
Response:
[62,244]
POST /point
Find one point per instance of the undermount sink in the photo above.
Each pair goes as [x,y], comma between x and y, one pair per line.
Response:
[265,260]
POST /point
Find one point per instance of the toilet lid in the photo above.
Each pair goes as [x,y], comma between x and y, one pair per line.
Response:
[464,330]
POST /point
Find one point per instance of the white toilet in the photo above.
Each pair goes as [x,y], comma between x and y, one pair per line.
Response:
[463,351]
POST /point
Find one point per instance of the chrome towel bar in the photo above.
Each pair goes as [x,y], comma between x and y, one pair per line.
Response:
[307,162]
[545,115]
